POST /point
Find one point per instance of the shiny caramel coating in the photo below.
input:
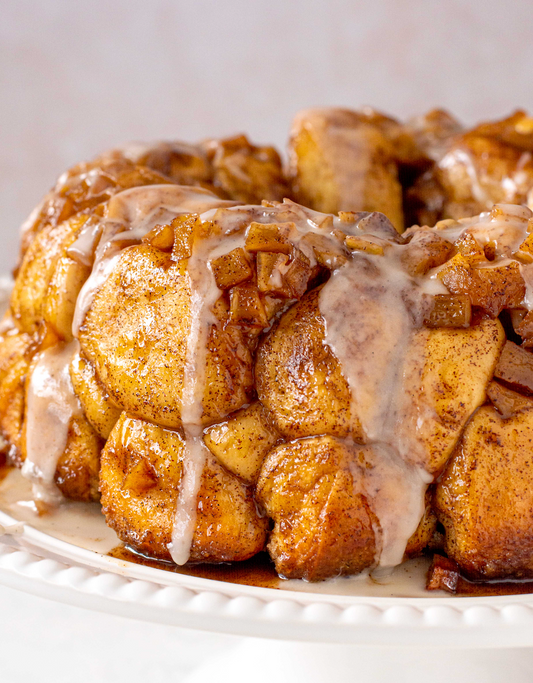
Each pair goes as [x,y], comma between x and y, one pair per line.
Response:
[506,401]
[100,411]
[490,287]
[323,525]
[77,470]
[85,186]
[228,527]
[473,168]
[40,290]
[480,171]
[182,163]
[241,442]
[135,337]
[425,536]
[78,467]
[451,368]
[484,498]
[299,380]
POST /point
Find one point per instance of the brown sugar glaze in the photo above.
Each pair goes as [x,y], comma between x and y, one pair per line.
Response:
[257,571]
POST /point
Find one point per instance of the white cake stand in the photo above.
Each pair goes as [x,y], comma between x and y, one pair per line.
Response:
[348,630]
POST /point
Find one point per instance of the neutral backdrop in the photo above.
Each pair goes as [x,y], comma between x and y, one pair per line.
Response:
[79,77]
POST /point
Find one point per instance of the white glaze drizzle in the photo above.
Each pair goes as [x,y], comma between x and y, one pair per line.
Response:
[368,307]
[130,215]
[506,226]
[51,402]
[204,294]
[50,406]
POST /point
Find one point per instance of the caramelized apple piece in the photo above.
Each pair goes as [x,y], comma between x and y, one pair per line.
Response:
[523,325]
[269,237]
[525,251]
[506,401]
[231,269]
[161,237]
[273,305]
[246,307]
[468,246]
[241,442]
[491,286]
[450,310]
[377,224]
[298,274]
[184,227]
[361,244]
[140,478]
[328,251]
[425,250]
[246,172]
[443,575]
[270,273]
[515,367]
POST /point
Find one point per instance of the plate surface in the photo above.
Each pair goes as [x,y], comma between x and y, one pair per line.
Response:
[63,556]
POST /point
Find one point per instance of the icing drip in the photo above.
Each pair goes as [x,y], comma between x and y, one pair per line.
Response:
[131,215]
[51,405]
[371,308]
[204,294]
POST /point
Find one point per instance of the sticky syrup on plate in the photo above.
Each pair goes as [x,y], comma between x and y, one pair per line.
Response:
[257,571]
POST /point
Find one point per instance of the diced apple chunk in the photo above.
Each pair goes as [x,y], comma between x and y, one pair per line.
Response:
[161,237]
[246,307]
[361,244]
[184,229]
[298,274]
[328,251]
[270,273]
[241,443]
[269,237]
[450,310]
[506,401]
[231,269]
[426,250]
[515,367]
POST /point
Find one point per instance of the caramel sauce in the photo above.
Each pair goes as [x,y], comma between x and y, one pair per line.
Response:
[257,571]
[5,469]
[471,589]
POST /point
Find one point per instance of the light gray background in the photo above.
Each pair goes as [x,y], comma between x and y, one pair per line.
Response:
[79,77]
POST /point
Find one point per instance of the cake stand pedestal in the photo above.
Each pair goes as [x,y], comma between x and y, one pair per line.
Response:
[271,661]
